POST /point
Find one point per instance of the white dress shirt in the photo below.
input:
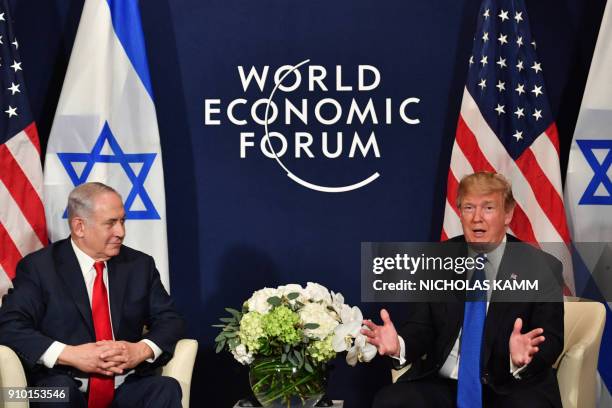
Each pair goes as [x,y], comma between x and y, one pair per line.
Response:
[450,368]
[50,356]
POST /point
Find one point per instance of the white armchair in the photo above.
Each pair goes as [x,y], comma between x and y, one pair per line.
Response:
[577,365]
[179,368]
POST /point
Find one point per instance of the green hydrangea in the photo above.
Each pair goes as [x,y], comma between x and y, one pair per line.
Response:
[321,350]
[251,331]
[281,323]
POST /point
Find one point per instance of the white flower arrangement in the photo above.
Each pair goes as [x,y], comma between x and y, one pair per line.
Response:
[305,326]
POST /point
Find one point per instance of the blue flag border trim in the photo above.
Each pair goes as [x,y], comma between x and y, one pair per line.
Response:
[125,16]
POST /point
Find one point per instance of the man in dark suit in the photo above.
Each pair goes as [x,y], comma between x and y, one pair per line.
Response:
[475,354]
[70,331]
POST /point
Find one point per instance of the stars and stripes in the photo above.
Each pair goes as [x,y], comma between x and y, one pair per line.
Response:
[506,126]
[22,217]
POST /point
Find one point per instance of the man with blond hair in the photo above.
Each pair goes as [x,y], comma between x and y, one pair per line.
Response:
[78,309]
[480,353]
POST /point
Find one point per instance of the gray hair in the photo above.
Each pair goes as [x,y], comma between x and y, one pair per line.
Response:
[81,199]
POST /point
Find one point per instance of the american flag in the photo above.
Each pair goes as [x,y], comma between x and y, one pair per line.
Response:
[506,126]
[22,216]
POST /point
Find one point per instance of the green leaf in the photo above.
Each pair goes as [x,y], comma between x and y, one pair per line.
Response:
[293,295]
[234,313]
[220,346]
[292,359]
[308,367]
[231,334]
[283,358]
[311,326]
[298,355]
[233,343]
[286,348]
[220,337]
[274,301]
[227,319]
[218,325]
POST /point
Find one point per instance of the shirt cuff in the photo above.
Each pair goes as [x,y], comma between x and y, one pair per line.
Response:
[515,371]
[401,359]
[50,356]
[156,350]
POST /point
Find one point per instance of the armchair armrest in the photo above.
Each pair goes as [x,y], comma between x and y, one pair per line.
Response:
[180,367]
[11,374]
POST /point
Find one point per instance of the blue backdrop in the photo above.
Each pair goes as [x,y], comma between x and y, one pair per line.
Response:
[238,224]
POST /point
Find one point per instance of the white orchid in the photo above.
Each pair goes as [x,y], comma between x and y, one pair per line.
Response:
[259,300]
[348,329]
[348,337]
[362,351]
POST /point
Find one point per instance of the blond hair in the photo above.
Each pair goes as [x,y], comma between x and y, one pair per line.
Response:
[484,182]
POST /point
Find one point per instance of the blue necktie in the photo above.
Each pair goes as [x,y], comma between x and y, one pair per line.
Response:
[469,388]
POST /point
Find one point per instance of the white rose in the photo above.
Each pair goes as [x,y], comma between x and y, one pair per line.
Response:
[316,293]
[293,288]
[259,301]
[241,355]
[317,313]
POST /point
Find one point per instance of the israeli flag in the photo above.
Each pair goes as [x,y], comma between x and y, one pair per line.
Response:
[588,194]
[105,128]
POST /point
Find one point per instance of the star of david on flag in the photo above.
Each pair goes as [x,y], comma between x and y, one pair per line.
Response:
[105,128]
[592,194]
[121,158]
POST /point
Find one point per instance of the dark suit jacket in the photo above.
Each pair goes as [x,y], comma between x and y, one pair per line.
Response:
[49,303]
[432,328]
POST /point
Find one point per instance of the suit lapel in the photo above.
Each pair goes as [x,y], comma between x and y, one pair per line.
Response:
[117,282]
[70,271]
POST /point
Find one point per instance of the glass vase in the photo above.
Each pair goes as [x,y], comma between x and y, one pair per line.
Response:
[282,385]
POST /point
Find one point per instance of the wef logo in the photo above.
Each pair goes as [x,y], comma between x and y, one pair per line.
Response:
[276,109]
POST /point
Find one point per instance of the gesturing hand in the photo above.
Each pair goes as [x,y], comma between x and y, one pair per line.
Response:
[524,346]
[384,337]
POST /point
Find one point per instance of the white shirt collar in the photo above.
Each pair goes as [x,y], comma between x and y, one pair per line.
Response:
[86,262]
[495,256]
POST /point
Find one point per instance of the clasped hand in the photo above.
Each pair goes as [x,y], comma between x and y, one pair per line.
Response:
[105,357]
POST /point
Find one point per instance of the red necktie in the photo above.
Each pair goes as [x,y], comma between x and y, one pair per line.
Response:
[101,388]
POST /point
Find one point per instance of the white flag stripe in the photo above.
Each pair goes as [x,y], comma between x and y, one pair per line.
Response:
[460,165]
[541,148]
[5,283]
[17,226]
[21,147]
[452,224]
[496,154]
